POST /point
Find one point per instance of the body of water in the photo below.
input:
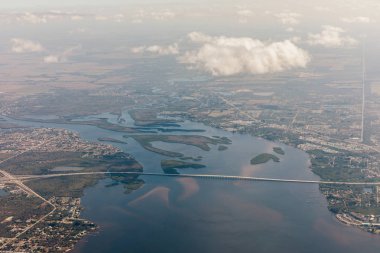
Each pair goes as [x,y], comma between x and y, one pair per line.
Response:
[197,215]
[3,193]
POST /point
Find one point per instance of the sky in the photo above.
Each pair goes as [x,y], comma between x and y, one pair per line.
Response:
[19,4]
[220,38]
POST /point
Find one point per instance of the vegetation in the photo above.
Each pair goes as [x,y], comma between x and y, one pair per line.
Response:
[336,167]
[67,101]
[11,208]
[196,159]
[279,150]
[67,186]
[171,166]
[144,117]
[6,125]
[130,182]
[198,141]
[100,123]
[40,163]
[111,140]
[222,148]
[263,158]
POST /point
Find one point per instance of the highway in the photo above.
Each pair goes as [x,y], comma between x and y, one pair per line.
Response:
[200,176]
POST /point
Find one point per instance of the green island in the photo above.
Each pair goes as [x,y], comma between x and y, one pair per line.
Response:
[198,141]
[171,166]
[195,159]
[264,158]
[279,150]
[222,148]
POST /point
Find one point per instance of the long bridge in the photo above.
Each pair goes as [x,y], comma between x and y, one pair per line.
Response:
[199,176]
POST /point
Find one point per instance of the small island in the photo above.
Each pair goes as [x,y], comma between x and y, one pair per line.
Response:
[222,148]
[199,141]
[279,151]
[263,158]
[171,166]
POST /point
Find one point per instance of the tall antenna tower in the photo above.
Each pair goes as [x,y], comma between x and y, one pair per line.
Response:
[363,90]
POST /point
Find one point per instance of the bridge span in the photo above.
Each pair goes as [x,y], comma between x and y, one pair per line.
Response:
[200,176]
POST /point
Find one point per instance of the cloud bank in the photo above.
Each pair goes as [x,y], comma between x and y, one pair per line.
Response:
[159,15]
[61,57]
[359,19]
[156,49]
[243,15]
[25,46]
[43,17]
[225,56]
[332,37]
[288,18]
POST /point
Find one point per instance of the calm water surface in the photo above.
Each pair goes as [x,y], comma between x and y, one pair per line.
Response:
[3,193]
[197,215]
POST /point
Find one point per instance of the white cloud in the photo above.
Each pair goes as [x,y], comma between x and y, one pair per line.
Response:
[25,46]
[141,15]
[138,50]
[224,56]
[28,17]
[288,18]
[358,19]
[322,8]
[290,29]
[78,30]
[41,17]
[244,14]
[156,49]
[101,18]
[61,57]
[331,36]
[118,17]
[137,21]
[52,59]
[115,17]
[76,17]
[163,15]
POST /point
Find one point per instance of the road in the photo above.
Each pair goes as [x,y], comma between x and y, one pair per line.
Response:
[200,176]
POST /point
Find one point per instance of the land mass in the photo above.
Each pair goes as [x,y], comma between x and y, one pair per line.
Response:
[51,210]
[222,148]
[279,151]
[107,139]
[149,118]
[198,141]
[171,166]
[264,158]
